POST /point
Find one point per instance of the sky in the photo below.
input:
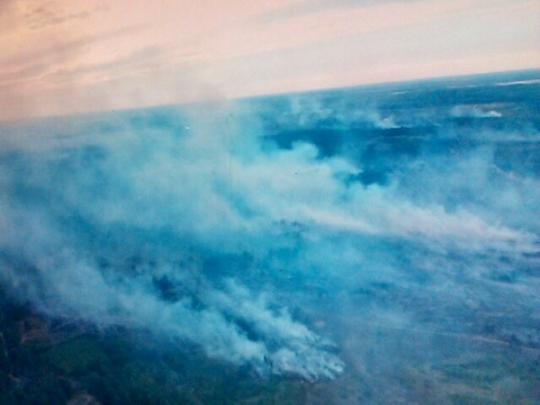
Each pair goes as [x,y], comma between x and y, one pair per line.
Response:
[69,56]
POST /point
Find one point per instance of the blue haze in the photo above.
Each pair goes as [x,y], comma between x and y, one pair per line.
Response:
[323,234]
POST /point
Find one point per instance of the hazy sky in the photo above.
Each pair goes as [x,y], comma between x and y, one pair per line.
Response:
[64,56]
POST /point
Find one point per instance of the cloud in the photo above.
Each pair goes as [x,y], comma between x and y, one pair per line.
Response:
[45,15]
[302,8]
[59,51]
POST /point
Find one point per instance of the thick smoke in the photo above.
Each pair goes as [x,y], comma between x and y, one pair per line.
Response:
[198,225]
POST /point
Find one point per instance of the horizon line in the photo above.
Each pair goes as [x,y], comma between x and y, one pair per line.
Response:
[278,93]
